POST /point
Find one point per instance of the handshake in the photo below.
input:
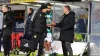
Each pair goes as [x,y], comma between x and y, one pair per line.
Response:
[52,24]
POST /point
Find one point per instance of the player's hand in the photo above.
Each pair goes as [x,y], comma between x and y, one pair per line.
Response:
[48,24]
[53,23]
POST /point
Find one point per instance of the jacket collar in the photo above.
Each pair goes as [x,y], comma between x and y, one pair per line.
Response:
[6,12]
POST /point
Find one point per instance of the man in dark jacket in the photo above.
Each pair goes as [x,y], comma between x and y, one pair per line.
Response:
[28,22]
[7,29]
[67,30]
[39,27]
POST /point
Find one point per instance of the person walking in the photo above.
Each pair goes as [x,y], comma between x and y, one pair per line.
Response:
[39,28]
[7,29]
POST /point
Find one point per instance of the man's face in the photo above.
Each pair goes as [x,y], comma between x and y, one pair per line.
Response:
[65,10]
[4,9]
[28,11]
[49,8]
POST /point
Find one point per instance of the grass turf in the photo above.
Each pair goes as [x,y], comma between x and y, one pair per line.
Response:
[20,54]
[1,54]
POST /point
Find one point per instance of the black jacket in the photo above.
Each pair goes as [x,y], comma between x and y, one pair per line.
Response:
[67,27]
[28,22]
[39,22]
[8,21]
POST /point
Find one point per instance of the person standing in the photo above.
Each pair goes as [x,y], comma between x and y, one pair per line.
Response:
[48,39]
[39,28]
[67,30]
[28,22]
[49,15]
[1,22]
[7,29]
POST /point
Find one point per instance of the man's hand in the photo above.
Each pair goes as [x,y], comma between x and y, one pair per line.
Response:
[48,24]
[4,26]
[52,24]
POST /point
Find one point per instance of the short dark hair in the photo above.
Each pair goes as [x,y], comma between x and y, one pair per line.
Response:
[43,6]
[31,9]
[68,7]
[9,8]
[48,4]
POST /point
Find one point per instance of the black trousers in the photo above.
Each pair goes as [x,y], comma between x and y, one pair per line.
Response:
[66,46]
[39,39]
[6,45]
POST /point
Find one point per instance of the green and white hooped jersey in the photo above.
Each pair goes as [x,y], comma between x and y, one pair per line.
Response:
[49,18]
[48,21]
[48,30]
